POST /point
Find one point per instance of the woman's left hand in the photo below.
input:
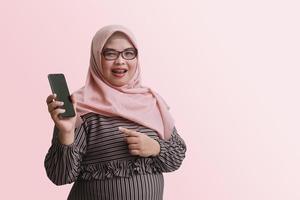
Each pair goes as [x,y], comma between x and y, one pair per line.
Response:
[140,144]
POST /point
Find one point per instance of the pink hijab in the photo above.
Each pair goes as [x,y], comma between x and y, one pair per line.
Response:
[132,101]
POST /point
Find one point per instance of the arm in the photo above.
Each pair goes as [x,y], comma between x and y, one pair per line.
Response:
[62,162]
[172,153]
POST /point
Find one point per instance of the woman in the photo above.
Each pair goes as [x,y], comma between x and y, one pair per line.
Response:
[122,138]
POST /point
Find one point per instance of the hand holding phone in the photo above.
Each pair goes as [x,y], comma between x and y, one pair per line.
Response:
[59,87]
[61,108]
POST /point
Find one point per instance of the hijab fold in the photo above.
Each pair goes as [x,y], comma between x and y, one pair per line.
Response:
[132,101]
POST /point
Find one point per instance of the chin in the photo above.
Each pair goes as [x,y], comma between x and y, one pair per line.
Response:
[118,84]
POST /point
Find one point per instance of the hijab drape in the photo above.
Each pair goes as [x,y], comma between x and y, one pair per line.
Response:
[132,101]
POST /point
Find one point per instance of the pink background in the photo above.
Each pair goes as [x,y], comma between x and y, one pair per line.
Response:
[228,69]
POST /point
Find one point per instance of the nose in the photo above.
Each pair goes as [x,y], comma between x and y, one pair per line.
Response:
[120,60]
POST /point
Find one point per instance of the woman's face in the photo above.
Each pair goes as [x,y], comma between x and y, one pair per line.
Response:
[118,71]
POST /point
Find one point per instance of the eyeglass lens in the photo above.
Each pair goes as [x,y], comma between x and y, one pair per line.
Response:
[111,54]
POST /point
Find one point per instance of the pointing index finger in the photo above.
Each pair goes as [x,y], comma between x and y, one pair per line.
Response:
[128,132]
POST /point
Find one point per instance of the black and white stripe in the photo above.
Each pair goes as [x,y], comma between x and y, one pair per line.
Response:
[100,164]
[138,187]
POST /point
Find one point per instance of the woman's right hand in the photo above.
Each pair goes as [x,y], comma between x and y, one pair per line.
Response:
[66,126]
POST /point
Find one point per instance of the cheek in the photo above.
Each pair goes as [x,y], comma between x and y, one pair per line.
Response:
[106,68]
[133,66]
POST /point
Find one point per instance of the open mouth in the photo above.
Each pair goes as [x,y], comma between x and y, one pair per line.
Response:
[119,71]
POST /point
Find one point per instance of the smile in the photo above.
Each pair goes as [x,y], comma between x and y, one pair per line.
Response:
[119,73]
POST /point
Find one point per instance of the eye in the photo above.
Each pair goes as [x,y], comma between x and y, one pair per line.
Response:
[110,53]
[130,53]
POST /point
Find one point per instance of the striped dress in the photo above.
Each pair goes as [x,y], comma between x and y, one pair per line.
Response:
[101,167]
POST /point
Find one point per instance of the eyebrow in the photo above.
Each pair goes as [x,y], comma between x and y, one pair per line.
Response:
[110,49]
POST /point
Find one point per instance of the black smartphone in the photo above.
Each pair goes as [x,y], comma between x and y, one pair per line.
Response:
[59,86]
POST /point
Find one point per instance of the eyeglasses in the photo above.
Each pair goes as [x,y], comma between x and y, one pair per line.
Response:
[112,54]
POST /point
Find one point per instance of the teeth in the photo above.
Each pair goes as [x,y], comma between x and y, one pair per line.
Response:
[119,71]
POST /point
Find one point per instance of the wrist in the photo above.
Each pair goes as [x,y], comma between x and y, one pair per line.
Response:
[156,148]
[66,138]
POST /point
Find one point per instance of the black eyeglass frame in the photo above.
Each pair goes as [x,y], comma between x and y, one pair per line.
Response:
[119,52]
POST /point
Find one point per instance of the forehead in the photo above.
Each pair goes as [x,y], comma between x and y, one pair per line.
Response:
[118,41]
